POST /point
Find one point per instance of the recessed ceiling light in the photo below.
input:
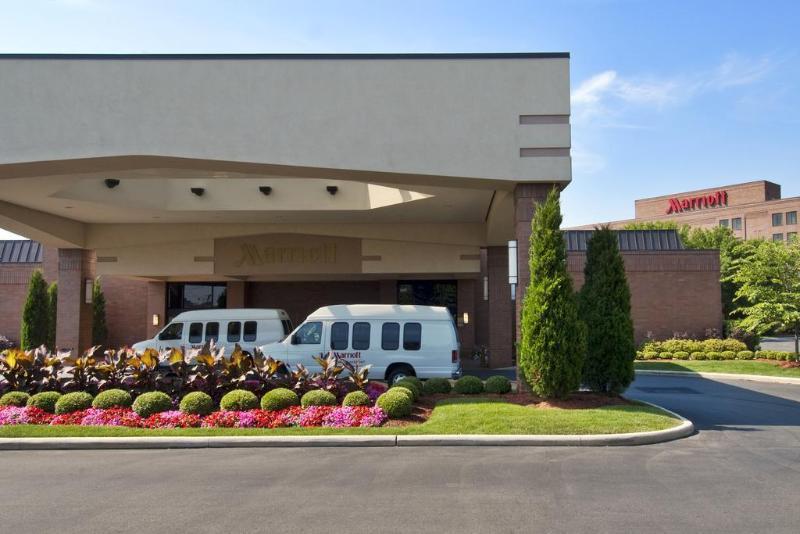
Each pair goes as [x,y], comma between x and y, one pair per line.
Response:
[198,191]
[265,189]
[332,189]
[111,183]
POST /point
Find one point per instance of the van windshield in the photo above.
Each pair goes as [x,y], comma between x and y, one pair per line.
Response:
[171,332]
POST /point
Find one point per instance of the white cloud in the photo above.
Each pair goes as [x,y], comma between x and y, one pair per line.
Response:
[607,95]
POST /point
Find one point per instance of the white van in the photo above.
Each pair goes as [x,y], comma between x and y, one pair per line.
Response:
[248,327]
[396,340]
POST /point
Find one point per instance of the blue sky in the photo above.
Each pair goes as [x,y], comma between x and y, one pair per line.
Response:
[667,96]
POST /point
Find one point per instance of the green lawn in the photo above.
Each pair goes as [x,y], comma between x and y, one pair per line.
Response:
[725,366]
[452,416]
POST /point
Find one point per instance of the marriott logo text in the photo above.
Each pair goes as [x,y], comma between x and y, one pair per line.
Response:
[716,199]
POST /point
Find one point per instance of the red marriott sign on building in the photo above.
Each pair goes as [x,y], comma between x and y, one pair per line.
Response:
[711,200]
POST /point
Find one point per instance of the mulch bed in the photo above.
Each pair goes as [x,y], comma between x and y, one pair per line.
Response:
[577,401]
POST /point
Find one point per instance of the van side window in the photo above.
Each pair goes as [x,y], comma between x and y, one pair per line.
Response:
[412,336]
[360,336]
[308,334]
[250,330]
[390,336]
[172,332]
[212,332]
[234,331]
[339,333]
[196,333]
[287,326]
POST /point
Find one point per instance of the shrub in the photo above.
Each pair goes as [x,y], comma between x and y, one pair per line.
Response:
[647,355]
[681,345]
[197,403]
[405,391]
[394,404]
[318,397]
[280,398]
[712,355]
[45,400]
[744,355]
[147,404]
[498,384]
[697,356]
[238,400]
[728,355]
[436,385]
[14,398]
[112,398]
[99,327]
[73,402]
[680,355]
[33,332]
[468,385]
[408,385]
[356,398]
[414,380]
[664,355]
[553,343]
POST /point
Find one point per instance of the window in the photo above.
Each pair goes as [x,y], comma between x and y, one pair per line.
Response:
[308,334]
[736,223]
[429,293]
[360,336]
[723,223]
[777,219]
[777,237]
[287,326]
[390,336]
[234,331]
[250,330]
[212,332]
[412,336]
[339,335]
[791,236]
[182,297]
[196,333]
[172,332]
[791,217]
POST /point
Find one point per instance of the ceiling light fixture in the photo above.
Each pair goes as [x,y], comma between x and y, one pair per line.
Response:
[111,183]
[198,191]
[265,189]
[332,189]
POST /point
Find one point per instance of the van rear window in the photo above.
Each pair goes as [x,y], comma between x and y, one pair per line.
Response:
[390,336]
[250,330]
[412,336]
[339,335]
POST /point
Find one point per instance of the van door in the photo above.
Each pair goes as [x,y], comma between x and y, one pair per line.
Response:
[307,342]
[171,337]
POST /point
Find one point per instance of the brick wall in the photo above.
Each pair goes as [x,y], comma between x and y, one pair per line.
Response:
[126,310]
[13,289]
[676,291]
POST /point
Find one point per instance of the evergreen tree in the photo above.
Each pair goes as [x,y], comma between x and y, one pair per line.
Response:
[553,343]
[52,313]
[605,307]
[33,332]
[99,328]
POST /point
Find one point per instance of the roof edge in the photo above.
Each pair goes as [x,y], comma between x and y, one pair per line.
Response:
[201,56]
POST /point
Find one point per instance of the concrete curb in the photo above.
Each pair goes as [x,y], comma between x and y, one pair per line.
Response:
[684,429]
[724,376]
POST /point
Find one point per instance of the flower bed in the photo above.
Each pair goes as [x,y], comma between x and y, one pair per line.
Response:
[324,416]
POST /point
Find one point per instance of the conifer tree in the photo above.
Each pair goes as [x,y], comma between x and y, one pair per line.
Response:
[52,313]
[605,307]
[99,328]
[33,331]
[553,340]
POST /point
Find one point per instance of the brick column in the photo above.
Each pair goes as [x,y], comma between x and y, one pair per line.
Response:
[156,305]
[236,292]
[74,319]
[466,304]
[500,308]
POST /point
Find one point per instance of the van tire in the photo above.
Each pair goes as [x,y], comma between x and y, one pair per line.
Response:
[397,372]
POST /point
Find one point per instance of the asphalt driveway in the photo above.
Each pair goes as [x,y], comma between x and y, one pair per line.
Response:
[739,474]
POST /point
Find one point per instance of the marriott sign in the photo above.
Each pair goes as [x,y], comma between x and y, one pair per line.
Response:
[711,200]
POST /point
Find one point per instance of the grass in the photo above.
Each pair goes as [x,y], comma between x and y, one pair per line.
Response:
[746,367]
[452,416]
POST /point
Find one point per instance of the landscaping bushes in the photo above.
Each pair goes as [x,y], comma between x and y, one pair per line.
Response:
[409,385]
[395,404]
[281,398]
[14,398]
[468,385]
[436,385]
[404,391]
[150,403]
[112,398]
[356,398]
[197,403]
[497,384]
[693,349]
[45,400]
[239,400]
[318,397]
[73,402]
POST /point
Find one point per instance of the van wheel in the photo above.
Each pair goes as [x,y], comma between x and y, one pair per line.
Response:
[398,373]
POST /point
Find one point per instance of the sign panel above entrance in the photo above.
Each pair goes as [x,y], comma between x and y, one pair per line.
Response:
[286,254]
